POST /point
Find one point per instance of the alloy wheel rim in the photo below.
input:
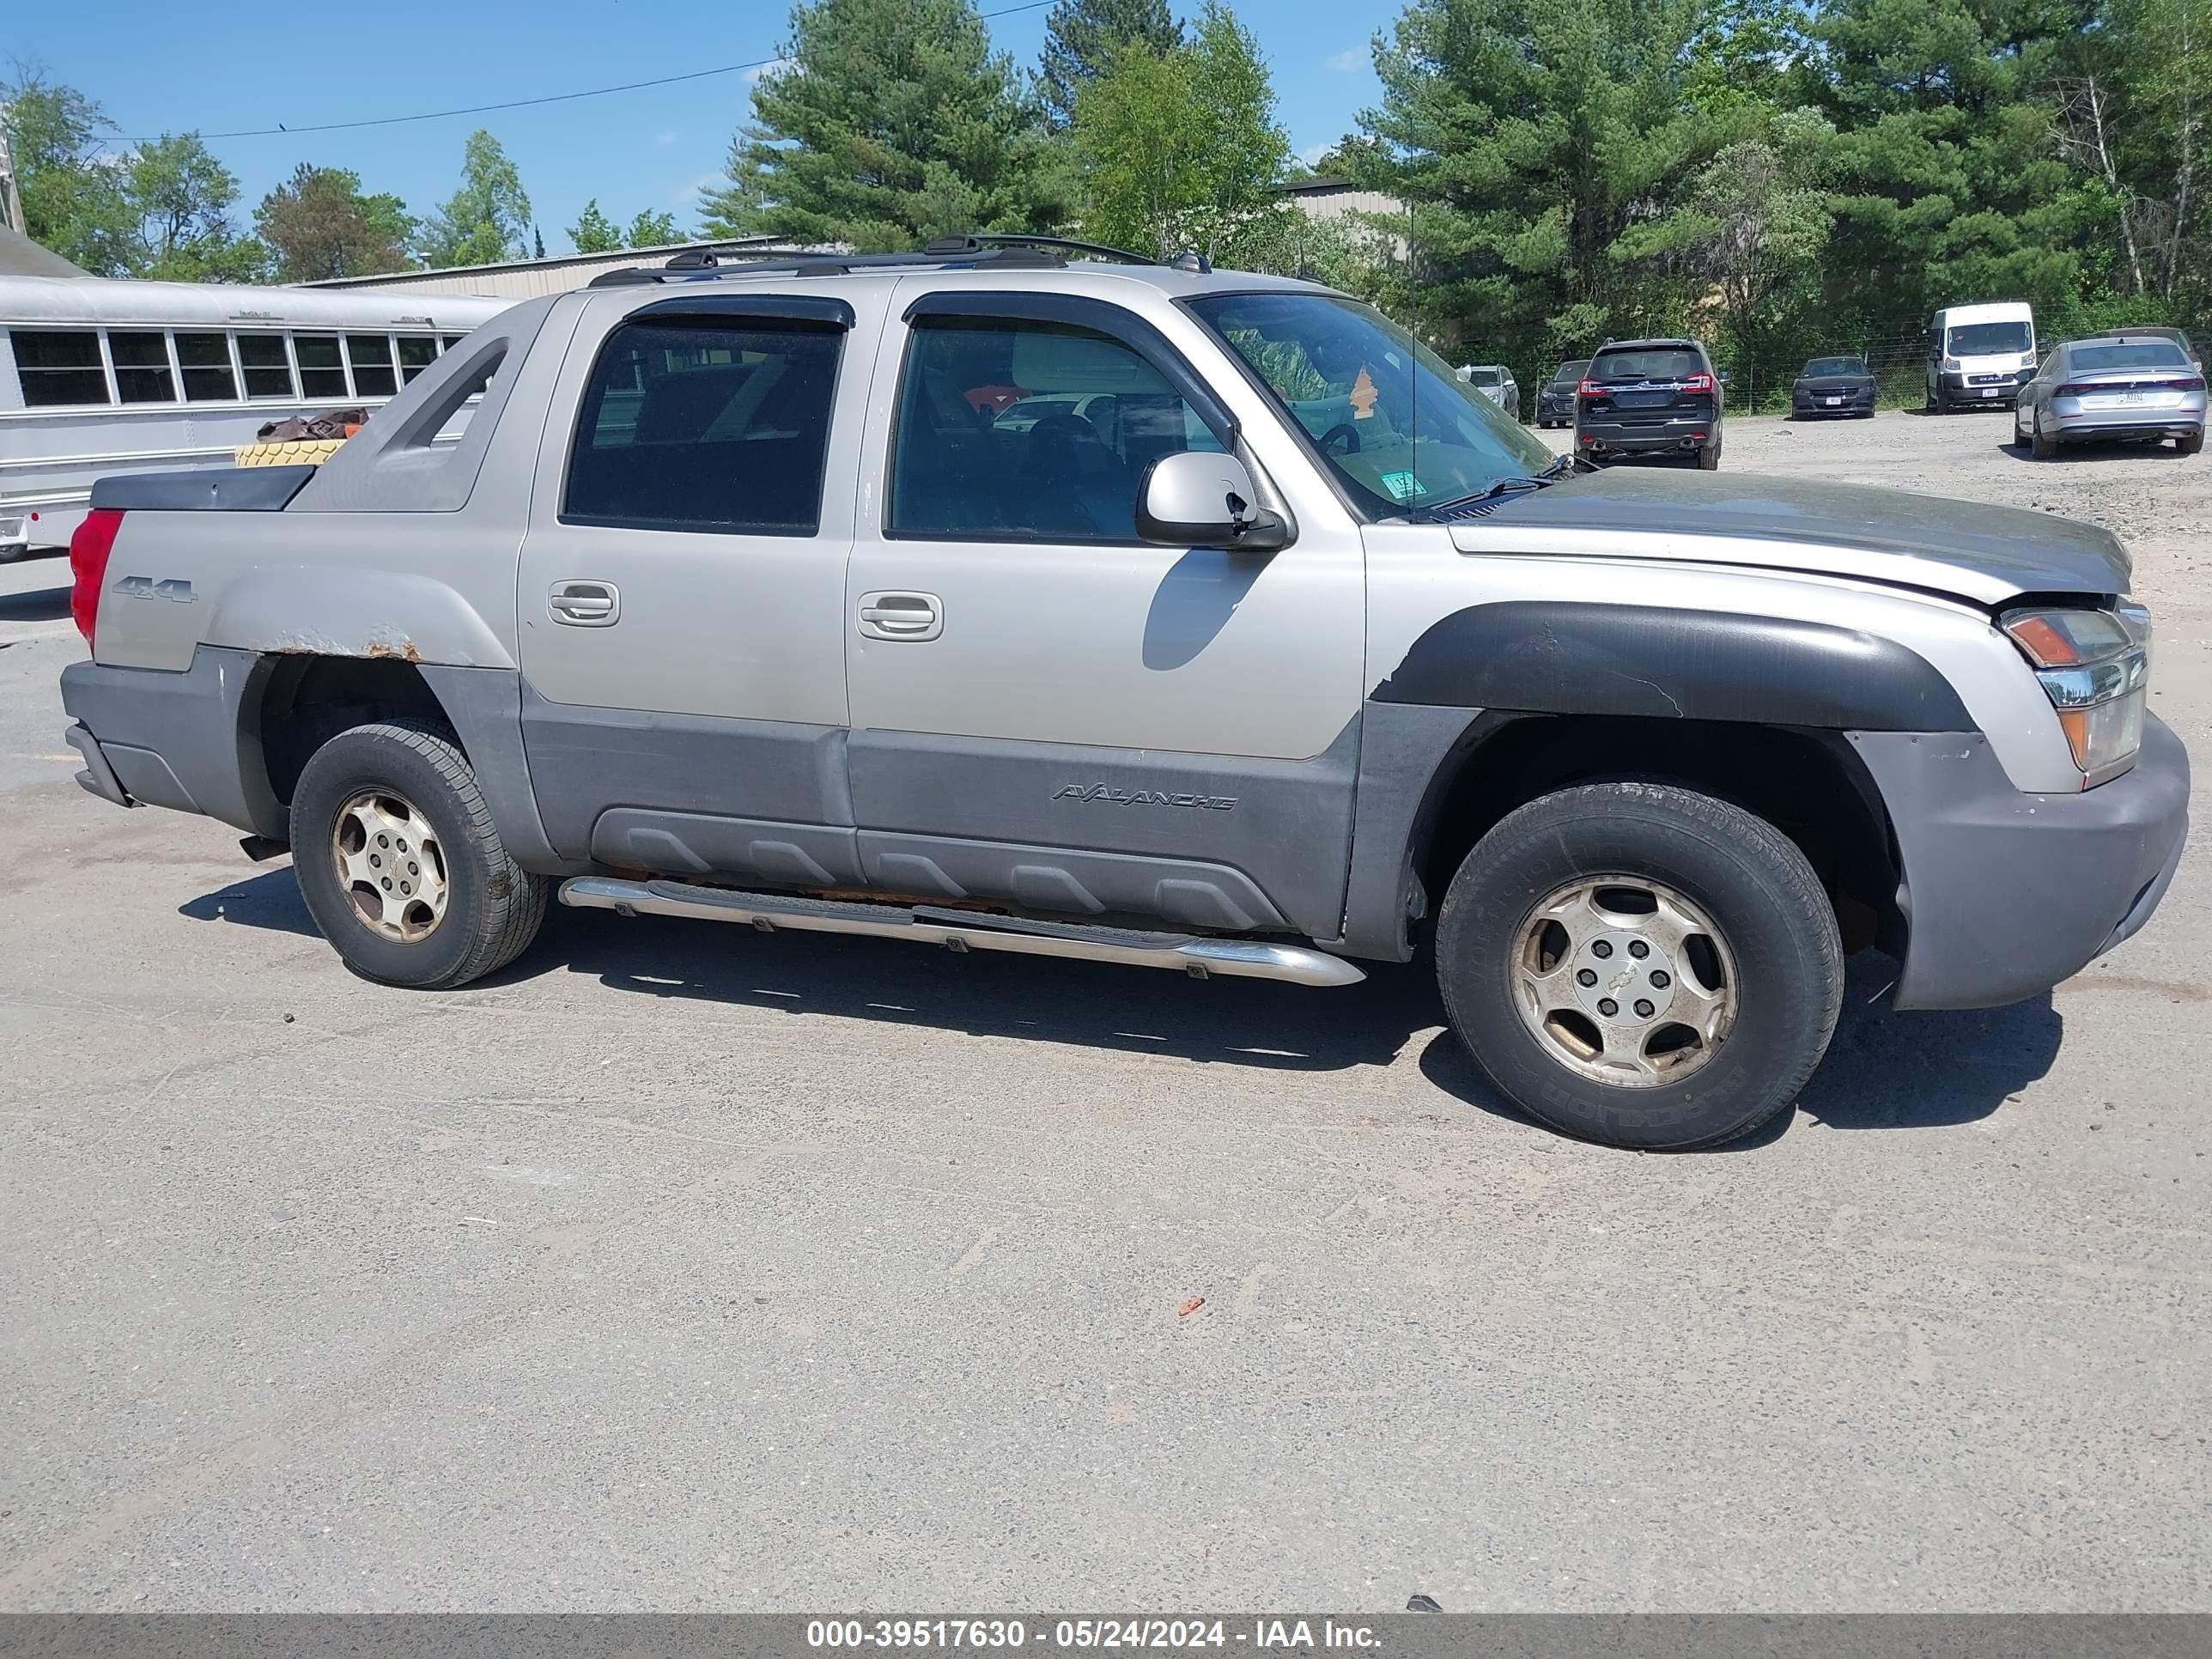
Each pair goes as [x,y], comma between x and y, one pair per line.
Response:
[390,866]
[1625,980]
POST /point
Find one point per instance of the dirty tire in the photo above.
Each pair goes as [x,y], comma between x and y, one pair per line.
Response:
[494,907]
[2042,447]
[2191,445]
[1750,880]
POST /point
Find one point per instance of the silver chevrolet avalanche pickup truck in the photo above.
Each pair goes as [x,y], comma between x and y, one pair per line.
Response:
[1001,600]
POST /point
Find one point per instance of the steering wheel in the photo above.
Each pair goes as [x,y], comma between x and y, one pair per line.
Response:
[1346,430]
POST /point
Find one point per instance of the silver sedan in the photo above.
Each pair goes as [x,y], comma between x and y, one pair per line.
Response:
[2139,386]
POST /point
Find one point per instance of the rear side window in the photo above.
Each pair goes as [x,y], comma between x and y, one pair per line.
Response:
[142,367]
[321,374]
[1030,431]
[707,425]
[205,360]
[416,353]
[370,357]
[56,368]
[268,369]
[1664,363]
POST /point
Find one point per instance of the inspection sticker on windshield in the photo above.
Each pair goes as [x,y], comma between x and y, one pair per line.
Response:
[1403,486]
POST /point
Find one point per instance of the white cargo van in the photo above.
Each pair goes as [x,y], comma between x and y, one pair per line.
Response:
[1980,354]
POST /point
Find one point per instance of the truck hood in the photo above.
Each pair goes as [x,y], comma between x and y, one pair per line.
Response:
[1985,553]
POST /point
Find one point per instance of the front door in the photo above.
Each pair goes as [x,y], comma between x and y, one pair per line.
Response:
[1048,711]
[682,589]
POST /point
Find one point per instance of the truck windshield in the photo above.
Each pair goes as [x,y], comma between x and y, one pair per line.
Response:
[1990,339]
[1392,422]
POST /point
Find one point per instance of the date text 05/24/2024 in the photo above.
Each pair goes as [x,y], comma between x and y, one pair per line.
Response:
[1169,1634]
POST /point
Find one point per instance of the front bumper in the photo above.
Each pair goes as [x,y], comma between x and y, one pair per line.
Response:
[1981,389]
[2006,894]
[1858,402]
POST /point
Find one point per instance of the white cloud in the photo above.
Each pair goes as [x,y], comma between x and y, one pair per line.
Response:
[687,196]
[770,70]
[665,139]
[1311,154]
[1349,61]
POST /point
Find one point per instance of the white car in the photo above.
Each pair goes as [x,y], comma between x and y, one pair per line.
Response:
[1494,381]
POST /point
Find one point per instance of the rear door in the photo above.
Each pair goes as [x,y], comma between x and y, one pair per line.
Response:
[682,586]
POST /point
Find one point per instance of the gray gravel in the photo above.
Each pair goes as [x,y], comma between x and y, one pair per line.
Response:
[680,1268]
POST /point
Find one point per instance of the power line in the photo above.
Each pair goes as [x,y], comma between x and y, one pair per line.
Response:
[280,129]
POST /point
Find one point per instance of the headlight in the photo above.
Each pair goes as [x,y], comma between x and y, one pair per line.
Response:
[1951,365]
[2094,666]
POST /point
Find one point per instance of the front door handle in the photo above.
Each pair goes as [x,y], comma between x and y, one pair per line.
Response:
[585,604]
[896,616]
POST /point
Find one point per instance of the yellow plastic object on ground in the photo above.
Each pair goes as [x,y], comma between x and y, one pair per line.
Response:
[311,451]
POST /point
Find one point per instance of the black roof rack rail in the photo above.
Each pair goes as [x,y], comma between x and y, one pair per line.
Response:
[977,241]
[981,248]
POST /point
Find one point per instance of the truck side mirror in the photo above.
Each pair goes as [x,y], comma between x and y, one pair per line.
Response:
[1202,498]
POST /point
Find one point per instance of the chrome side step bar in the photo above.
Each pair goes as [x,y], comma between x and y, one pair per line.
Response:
[961,930]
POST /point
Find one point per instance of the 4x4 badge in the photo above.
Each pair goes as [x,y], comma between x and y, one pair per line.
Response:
[1112,797]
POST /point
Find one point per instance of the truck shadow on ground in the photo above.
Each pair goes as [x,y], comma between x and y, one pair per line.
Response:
[1884,1070]
[39,604]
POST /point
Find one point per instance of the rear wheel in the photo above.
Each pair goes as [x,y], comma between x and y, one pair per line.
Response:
[2191,445]
[2040,444]
[1709,459]
[400,863]
[1641,964]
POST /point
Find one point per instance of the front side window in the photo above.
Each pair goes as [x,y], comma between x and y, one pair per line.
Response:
[142,366]
[706,424]
[268,367]
[56,368]
[321,374]
[1394,424]
[370,357]
[205,359]
[1030,431]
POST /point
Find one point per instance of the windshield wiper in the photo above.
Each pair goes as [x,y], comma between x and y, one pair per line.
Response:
[1551,475]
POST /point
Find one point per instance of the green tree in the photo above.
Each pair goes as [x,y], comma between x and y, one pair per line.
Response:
[1081,38]
[894,123]
[654,230]
[1180,149]
[180,197]
[487,220]
[318,224]
[1527,136]
[72,189]
[593,232]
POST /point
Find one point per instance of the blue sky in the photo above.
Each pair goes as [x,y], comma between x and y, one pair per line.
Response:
[171,65]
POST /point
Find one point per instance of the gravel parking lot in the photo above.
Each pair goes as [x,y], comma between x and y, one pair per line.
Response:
[680,1268]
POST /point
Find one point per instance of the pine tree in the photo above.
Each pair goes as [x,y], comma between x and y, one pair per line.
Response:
[1081,38]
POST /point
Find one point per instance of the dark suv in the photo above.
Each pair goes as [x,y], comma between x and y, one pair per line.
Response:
[1649,397]
[1555,399]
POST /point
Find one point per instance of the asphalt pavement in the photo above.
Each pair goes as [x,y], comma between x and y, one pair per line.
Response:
[677,1268]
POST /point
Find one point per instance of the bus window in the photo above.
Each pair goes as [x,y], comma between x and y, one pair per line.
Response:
[320,374]
[205,360]
[142,367]
[416,353]
[452,340]
[268,369]
[370,357]
[57,369]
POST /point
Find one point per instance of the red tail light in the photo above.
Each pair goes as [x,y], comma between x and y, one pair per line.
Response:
[2195,384]
[1590,389]
[89,550]
[1699,383]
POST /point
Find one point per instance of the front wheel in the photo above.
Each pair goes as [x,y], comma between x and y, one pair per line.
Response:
[400,863]
[1641,965]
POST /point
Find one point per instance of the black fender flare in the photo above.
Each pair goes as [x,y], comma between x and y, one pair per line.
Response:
[1562,657]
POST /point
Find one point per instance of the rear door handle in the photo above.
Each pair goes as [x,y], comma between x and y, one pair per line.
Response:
[585,604]
[886,615]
